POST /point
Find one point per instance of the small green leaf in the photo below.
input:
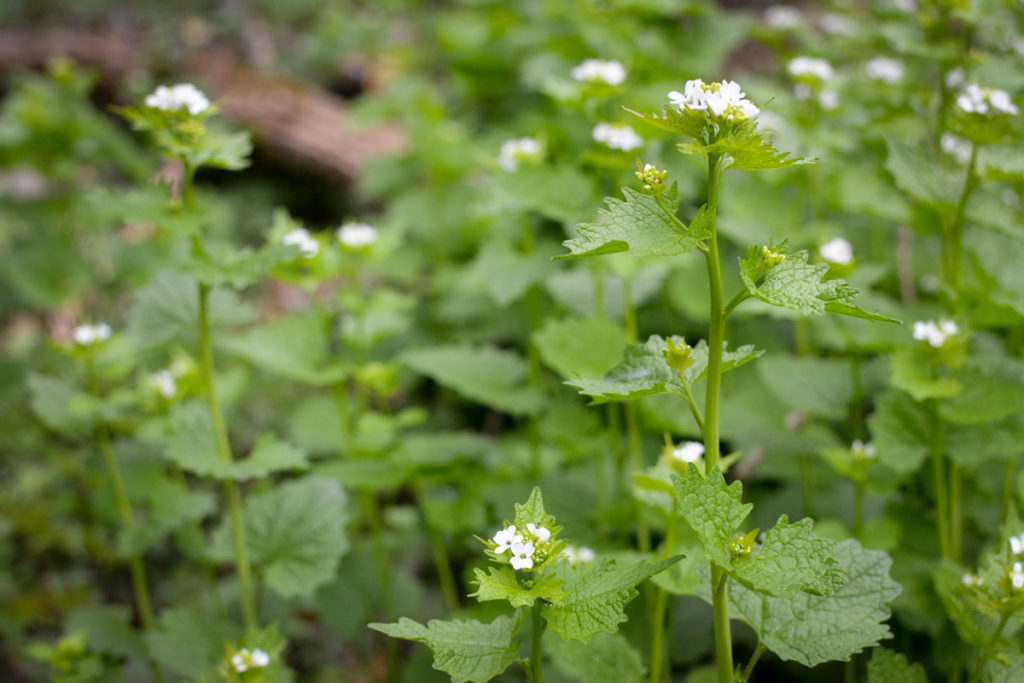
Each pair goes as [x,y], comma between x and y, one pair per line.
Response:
[228,266]
[108,630]
[62,407]
[505,273]
[918,175]
[901,430]
[468,651]
[596,596]
[812,629]
[490,376]
[218,148]
[886,666]
[713,510]
[532,512]
[295,347]
[639,225]
[913,372]
[173,509]
[193,630]
[500,583]
[608,657]
[816,386]
[745,150]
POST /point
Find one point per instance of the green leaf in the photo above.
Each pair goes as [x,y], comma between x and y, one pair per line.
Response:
[644,371]
[639,225]
[609,657]
[986,397]
[193,447]
[901,431]
[596,596]
[295,533]
[886,666]
[745,150]
[62,407]
[465,650]
[505,273]
[816,386]
[173,509]
[500,583]
[812,629]
[575,347]
[222,265]
[919,176]
[912,371]
[168,308]
[295,347]
[190,630]
[533,512]
[487,375]
[790,560]
[108,630]
[218,148]
[798,285]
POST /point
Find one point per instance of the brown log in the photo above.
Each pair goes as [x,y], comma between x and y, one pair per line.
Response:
[298,123]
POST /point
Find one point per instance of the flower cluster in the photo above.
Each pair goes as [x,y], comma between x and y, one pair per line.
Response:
[812,67]
[863,450]
[689,451]
[1017,544]
[956,147]
[87,335]
[357,235]
[517,150]
[1016,576]
[783,17]
[884,69]
[301,238]
[971,580]
[609,71]
[580,554]
[652,178]
[977,100]
[935,333]
[164,382]
[721,100]
[244,660]
[523,551]
[177,96]
[617,136]
[837,250]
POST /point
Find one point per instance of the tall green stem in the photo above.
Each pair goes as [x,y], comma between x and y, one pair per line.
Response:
[658,664]
[941,488]
[979,664]
[442,563]
[534,314]
[140,586]
[536,651]
[712,453]
[956,513]
[858,509]
[1006,507]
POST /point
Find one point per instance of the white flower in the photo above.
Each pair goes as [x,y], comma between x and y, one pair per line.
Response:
[163,381]
[240,660]
[837,250]
[954,78]
[506,538]
[956,147]
[356,235]
[866,450]
[260,658]
[1017,576]
[884,69]
[782,17]
[577,555]
[301,238]
[689,451]
[606,71]
[617,136]
[828,99]
[516,150]
[836,25]
[1017,544]
[86,335]
[522,556]
[177,96]
[977,100]
[722,100]
[538,532]
[934,333]
[969,580]
[820,69]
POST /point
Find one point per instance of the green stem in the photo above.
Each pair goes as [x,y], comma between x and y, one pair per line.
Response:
[1006,507]
[748,670]
[740,297]
[658,663]
[979,664]
[941,492]
[231,492]
[694,409]
[858,509]
[535,315]
[536,651]
[956,513]
[953,237]
[723,636]
[442,563]
[636,460]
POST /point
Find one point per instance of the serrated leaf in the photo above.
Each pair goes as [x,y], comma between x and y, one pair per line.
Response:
[487,375]
[172,510]
[295,347]
[193,447]
[575,347]
[505,273]
[596,596]
[218,148]
[901,431]
[238,268]
[986,397]
[168,308]
[108,630]
[468,651]
[745,150]
[193,630]
[533,512]
[790,560]
[638,224]
[609,657]
[812,629]
[295,534]
[644,371]
[500,583]
[886,666]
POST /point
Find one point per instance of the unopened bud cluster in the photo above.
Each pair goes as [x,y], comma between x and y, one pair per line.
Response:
[652,178]
[742,547]
[771,258]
